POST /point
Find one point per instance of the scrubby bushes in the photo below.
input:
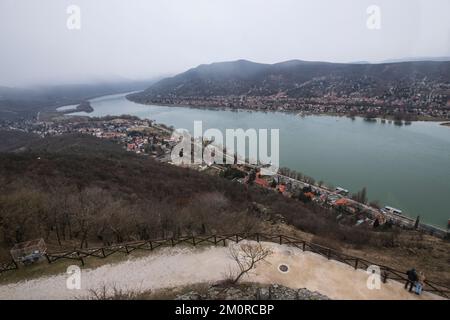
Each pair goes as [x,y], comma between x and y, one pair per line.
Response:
[82,191]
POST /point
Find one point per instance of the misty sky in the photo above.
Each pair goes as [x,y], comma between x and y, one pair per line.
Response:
[139,39]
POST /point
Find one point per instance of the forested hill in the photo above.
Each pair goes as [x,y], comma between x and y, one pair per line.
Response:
[78,191]
[88,190]
[298,78]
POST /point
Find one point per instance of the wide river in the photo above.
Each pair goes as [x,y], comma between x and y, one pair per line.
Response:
[406,167]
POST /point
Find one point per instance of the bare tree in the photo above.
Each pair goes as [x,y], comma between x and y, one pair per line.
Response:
[361,196]
[246,256]
[88,207]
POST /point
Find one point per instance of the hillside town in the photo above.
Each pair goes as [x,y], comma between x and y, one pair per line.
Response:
[145,137]
[136,135]
[400,110]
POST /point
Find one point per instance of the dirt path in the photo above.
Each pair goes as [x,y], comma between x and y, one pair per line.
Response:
[171,267]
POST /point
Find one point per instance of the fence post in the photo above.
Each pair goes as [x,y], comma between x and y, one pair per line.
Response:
[80,255]
[385,276]
[81,258]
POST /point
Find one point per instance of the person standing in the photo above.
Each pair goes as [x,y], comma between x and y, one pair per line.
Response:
[412,279]
[420,283]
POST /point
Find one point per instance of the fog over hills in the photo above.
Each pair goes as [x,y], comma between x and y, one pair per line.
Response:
[151,38]
[25,103]
[297,78]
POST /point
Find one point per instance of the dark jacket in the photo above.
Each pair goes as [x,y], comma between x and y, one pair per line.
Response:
[412,275]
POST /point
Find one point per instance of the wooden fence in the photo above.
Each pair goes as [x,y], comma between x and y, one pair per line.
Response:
[126,248]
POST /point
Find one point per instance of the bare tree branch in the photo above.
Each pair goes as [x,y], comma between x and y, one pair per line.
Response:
[246,256]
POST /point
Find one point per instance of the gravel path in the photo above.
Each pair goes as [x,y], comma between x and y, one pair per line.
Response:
[171,267]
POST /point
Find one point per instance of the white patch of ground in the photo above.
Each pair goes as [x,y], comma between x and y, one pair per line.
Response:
[172,267]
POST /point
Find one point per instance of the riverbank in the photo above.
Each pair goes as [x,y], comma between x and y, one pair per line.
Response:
[404,250]
[292,184]
[84,106]
[350,114]
[392,162]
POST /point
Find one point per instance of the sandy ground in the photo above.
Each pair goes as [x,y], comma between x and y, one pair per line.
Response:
[171,267]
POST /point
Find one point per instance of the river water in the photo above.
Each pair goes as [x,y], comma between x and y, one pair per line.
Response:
[406,167]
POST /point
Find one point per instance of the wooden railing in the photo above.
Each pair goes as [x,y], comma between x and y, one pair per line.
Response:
[354,262]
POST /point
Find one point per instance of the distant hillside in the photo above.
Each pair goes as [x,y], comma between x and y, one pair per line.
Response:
[20,103]
[299,79]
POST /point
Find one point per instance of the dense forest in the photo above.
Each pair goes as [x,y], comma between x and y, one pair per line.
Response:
[78,190]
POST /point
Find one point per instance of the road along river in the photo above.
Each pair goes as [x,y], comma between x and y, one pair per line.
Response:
[406,167]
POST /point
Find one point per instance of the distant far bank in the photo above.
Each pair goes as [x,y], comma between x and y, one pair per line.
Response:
[397,119]
[402,92]
[376,154]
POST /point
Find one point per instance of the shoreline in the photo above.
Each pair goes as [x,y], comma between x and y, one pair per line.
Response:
[265,111]
[300,113]
[84,106]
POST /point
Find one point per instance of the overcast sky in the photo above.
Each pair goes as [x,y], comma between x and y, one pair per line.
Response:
[139,39]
